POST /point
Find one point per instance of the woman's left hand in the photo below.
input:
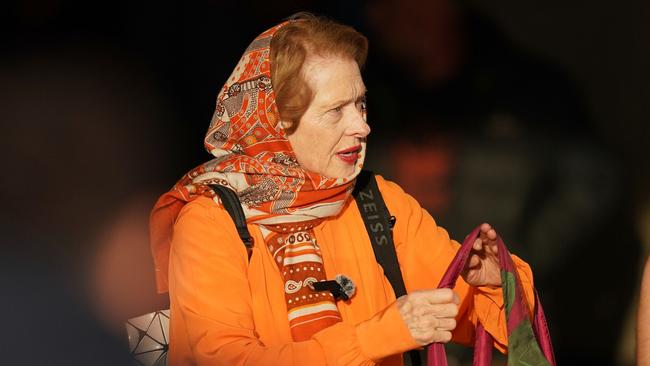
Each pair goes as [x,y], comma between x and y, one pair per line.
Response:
[482,268]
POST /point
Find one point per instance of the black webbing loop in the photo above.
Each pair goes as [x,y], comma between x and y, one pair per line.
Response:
[379,224]
[231,203]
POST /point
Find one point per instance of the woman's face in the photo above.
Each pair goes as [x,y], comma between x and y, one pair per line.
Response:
[329,137]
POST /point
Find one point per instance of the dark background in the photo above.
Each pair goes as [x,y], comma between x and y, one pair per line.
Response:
[530,115]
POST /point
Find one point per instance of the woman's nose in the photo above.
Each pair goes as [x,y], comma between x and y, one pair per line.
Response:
[358,126]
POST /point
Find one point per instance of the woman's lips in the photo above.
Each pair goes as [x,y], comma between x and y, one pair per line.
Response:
[350,155]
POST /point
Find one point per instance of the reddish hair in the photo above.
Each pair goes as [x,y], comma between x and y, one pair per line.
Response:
[307,35]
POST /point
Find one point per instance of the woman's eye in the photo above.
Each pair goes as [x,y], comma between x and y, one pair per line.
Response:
[337,109]
[361,104]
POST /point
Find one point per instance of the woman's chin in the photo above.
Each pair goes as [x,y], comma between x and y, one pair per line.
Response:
[343,171]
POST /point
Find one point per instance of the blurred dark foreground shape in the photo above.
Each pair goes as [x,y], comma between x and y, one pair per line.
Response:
[81,158]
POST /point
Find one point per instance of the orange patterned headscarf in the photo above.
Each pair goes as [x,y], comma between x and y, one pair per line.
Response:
[253,157]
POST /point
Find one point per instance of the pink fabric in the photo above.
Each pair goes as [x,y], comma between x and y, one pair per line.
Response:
[482,347]
[541,331]
[518,313]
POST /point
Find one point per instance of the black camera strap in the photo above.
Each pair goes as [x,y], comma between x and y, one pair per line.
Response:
[379,225]
[378,221]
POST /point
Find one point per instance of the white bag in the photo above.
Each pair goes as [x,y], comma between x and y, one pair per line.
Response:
[149,338]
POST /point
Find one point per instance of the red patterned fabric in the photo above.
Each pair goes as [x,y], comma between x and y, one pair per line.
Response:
[253,157]
[300,262]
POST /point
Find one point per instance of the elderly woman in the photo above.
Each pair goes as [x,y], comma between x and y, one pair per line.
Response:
[289,136]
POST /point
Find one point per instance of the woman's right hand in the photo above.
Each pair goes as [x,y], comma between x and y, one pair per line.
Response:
[429,314]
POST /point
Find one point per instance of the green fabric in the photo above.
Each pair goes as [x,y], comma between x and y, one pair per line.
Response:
[509,287]
[523,349]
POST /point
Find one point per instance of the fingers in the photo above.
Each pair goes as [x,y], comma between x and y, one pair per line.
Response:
[478,244]
[492,234]
[441,337]
[437,296]
[474,261]
[493,248]
[488,232]
[487,239]
[438,310]
[483,246]
[446,324]
[430,314]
